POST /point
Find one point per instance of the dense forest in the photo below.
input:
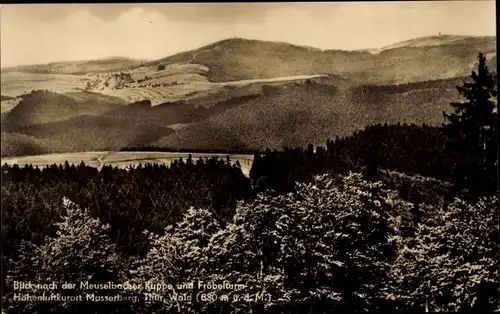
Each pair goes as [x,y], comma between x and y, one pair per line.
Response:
[393,218]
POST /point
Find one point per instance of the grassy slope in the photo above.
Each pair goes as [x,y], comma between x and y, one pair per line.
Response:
[238,59]
[16,84]
[435,40]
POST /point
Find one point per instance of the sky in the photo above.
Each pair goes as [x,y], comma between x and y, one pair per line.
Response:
[42,33]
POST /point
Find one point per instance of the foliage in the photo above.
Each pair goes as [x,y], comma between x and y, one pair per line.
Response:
[418,189]
[130,200]
[174,258]
[397,236]
[81,251]
[451,262]
[296,251]
[337,243]
[472,131]
[16,144]
[390,147]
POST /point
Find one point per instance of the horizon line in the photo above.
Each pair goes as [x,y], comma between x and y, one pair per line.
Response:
[236,37]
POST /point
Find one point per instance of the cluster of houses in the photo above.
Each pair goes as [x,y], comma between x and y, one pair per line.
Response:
[122,80]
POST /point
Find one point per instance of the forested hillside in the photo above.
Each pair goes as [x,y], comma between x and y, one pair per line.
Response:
[296,114]
[393,218]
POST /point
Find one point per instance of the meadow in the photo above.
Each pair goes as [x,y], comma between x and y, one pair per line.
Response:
[122,159]
[177,82]
[238,59]
[14,84]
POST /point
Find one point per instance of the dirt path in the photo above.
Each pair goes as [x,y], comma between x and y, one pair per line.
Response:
[200,52]
[101,162]
[270,80]
[196,54]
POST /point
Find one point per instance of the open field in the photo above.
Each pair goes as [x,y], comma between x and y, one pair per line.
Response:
[121,159]
[177,82]
[162,94]
[16,84]
[7,105]
[193,90]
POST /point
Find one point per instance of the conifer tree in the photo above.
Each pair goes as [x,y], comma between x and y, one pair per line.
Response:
[471,131]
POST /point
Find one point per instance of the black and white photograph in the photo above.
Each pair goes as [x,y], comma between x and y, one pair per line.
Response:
[267,157]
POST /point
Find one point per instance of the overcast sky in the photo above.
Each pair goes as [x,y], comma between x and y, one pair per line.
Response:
[31,33]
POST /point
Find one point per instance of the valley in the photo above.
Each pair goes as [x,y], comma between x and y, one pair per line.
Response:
[235,95]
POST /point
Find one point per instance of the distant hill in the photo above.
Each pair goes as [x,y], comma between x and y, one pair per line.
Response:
[52,122]
[291,114]
[89,121]
[439,40]
[91,133]
[421,59]
[40,107]
[411,81]
[77,67]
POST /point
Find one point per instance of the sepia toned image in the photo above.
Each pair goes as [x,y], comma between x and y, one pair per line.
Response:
[249,157]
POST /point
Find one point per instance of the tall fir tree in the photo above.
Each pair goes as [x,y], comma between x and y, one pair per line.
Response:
[471,132]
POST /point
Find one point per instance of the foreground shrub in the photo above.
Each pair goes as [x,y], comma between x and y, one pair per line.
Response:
[323,247]
[147,196]
[173,259]
[336,244]
[451,262]
[407,148]
[418,189]
[80,252]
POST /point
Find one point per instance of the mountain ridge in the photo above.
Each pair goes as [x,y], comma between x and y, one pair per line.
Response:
[404,43]
[409,83]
